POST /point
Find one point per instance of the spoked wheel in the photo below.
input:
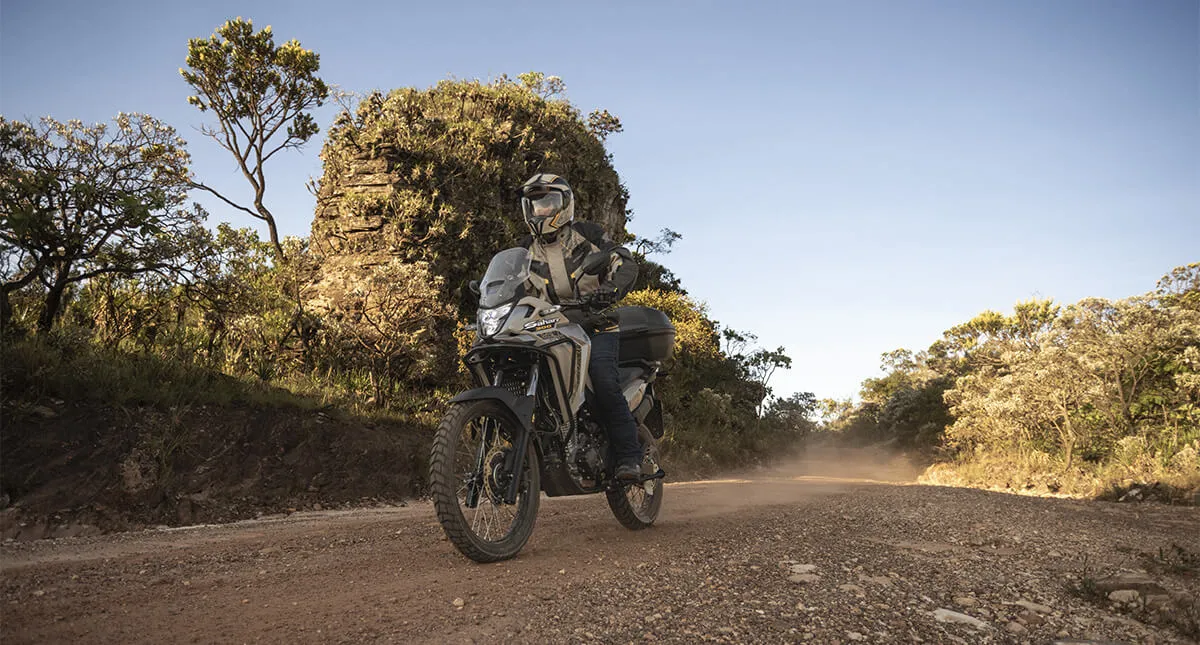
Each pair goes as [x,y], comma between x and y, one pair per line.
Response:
[636,505]
[468,477]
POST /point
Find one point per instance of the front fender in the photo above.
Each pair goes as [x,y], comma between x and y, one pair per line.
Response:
[520,405]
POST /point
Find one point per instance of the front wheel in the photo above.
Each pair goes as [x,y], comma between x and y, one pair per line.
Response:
[636,506]
[468,477]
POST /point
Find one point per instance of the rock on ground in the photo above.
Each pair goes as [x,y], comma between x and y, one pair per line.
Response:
[709,571]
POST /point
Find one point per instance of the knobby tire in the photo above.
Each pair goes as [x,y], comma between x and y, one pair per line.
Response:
[637,510]
[447,483]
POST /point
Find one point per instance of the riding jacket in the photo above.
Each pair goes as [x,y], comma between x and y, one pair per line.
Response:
[557,268]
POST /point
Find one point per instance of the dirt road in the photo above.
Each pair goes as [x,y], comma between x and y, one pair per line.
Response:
[777,559]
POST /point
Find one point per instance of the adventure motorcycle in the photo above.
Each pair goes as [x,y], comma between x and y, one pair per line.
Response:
[529,427]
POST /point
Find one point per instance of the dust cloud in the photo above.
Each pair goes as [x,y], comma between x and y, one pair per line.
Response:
[864,465]
[820,471]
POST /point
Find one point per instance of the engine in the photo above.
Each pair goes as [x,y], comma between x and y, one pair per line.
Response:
[585,451]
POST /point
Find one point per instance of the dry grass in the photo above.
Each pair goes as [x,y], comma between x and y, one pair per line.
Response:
[1040,474]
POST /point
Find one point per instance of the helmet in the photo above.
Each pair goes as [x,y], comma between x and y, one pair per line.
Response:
[547,203]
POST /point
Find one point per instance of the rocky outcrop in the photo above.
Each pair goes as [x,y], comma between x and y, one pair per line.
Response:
[430,176]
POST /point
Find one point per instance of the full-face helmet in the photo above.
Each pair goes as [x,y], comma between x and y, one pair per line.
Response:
[547,203]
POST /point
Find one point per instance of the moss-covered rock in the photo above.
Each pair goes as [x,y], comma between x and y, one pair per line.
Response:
[430,175]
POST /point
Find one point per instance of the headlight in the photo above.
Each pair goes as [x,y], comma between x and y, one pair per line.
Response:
[491,320]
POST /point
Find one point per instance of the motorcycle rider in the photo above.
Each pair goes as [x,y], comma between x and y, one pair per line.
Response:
[559,247]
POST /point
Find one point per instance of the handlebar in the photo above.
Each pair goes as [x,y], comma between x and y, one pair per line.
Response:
[571,304]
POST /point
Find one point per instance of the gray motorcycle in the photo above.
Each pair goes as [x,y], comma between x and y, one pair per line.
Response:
[528,428]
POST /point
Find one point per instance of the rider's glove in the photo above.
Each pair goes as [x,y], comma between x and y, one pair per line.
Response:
[602,298]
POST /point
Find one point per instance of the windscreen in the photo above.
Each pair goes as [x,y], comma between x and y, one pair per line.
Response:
[506,275]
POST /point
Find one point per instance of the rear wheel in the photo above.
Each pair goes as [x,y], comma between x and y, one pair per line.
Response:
[468,478]
[636,506]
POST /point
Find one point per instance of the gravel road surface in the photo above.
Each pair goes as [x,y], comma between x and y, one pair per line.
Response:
[776,558]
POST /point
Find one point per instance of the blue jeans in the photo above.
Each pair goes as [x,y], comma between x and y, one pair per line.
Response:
[611,406]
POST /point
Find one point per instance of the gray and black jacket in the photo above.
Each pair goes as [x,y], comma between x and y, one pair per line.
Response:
[558,275]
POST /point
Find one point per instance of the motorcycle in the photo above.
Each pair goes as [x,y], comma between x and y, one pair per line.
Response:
[529,427]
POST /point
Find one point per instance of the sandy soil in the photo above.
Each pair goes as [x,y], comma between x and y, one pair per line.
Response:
[787,556]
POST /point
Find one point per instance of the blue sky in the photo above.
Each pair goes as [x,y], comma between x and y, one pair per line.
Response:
[849,177]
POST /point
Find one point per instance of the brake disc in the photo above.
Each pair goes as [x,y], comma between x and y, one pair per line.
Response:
[495,480]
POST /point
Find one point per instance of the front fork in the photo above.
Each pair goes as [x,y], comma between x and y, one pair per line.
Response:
[514,461]
[475,485]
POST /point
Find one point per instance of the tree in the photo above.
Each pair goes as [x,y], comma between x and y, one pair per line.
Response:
[81,202]
[1181,287]
[916,415]
[389,325]
[736,342]
[978,342]
[1101,372]
[248,318]
[901,368]
[260,94]
[602,123]
[794,412]
[652,274]
[761,366]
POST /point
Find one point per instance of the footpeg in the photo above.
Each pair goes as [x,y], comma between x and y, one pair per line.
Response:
[615,484]
[646,478]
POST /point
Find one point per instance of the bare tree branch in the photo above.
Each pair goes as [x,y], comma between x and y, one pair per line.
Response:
[225,199]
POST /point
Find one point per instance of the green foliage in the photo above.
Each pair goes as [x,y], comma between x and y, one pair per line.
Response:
[388,327]
[1181,287]
[976,344]
[1074,397]
[753,366]
[260,93]
[429,175]
[651,274]
[916,416]
[243,317]
[88,201]
[760,366]
[417,194]
[793,414]
[693,400]
[601,124]
[1101,372]
[67,365]
[695,332]
[716,399]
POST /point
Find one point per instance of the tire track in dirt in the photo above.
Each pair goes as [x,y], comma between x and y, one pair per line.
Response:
[713,568]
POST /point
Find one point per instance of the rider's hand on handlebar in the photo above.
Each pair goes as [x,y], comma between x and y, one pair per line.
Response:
[601,298]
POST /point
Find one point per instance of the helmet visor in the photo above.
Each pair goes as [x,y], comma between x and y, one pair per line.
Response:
[547,205]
